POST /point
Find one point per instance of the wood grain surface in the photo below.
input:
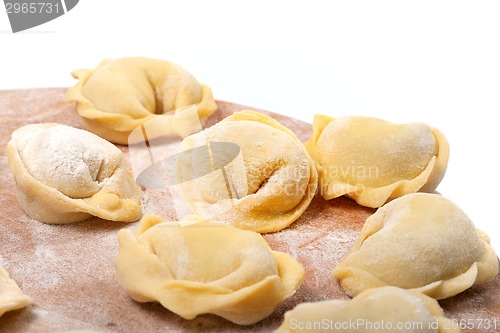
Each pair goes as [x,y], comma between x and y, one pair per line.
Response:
[68,270]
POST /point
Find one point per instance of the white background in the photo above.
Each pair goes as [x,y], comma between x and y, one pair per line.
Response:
[432,61]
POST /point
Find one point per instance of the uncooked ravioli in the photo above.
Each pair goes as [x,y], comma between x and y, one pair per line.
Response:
[265,188]
[65,175]
[122,95]
[422,242]
[386,309]
[196,267]
[373,161]
[11,297]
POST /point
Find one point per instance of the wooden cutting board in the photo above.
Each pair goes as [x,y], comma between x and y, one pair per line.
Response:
[68,270]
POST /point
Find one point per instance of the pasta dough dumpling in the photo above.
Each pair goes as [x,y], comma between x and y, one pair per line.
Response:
[121,95]
[373,161]
[196,267]
[65,175]
[11,297]
[266,188]
[422,242]
[386,309]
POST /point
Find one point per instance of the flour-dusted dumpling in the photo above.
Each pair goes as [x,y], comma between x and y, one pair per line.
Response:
[420,241]
[265,188]
[121,95]
[65,175]
[386,309]
[373,161]
[11,297]
[196,267]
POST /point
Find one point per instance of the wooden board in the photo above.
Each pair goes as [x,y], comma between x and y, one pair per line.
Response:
[68,270]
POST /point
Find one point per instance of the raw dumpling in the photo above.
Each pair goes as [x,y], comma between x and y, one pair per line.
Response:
[386,309]
[65,175]
[265,188]
[11,297]
[120,95]
[198,267]
[374,161]
[419,241]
